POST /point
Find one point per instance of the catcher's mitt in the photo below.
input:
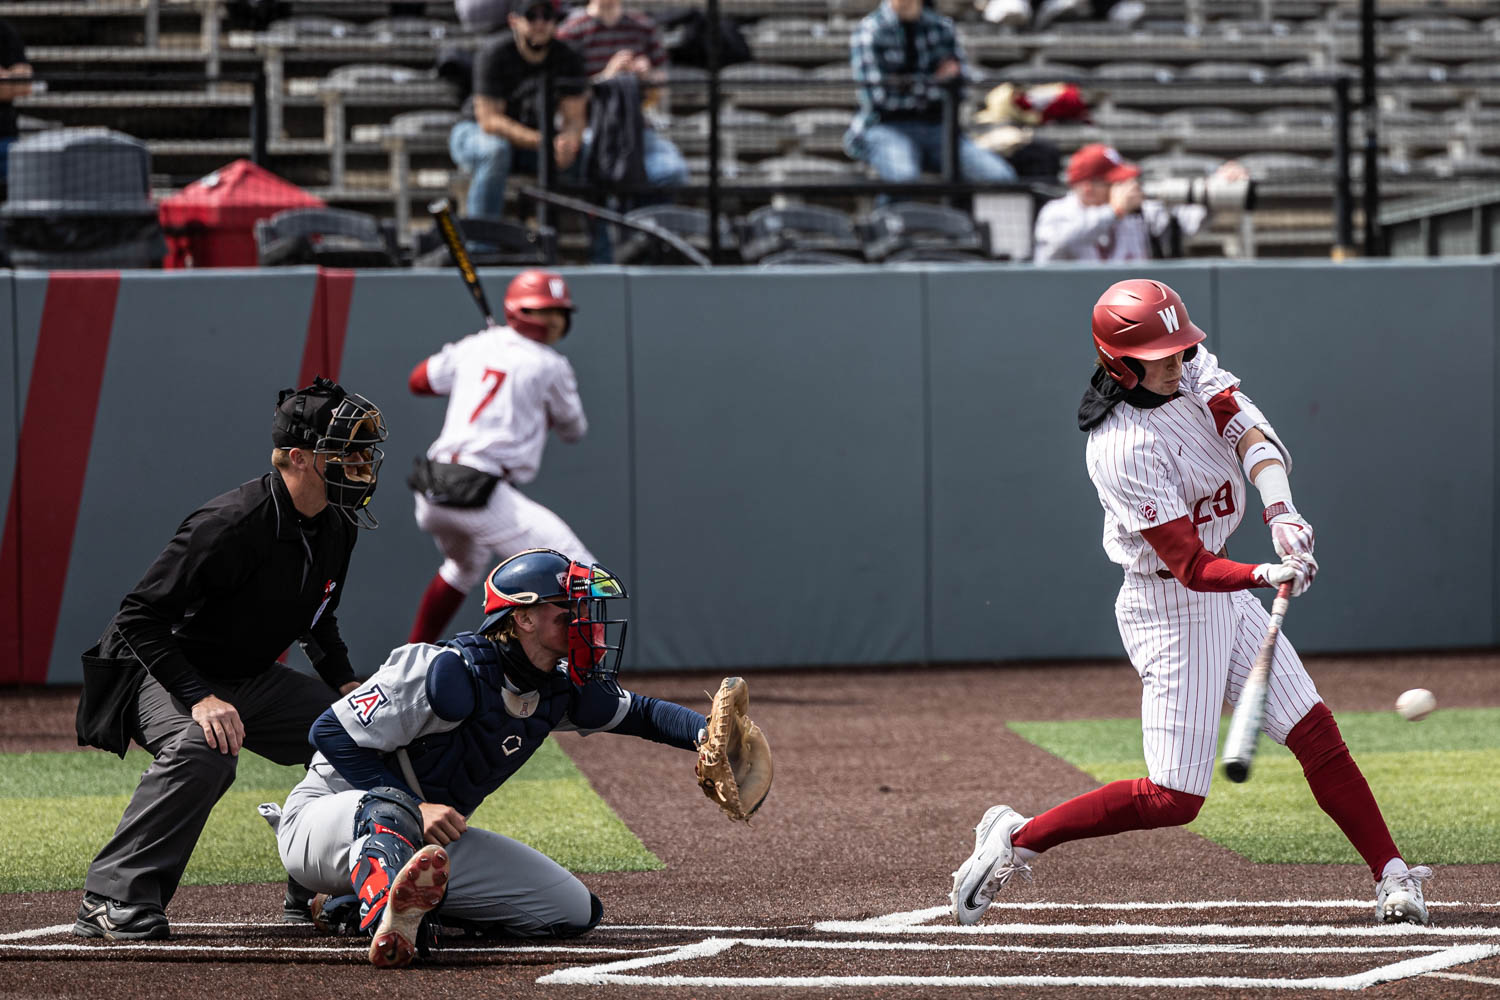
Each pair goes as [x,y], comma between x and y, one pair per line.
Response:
[734,759]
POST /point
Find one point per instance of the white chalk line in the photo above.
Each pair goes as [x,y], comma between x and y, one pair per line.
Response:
[1164,930]
[913,918]
[1487,980]
[127,949]
[623,973]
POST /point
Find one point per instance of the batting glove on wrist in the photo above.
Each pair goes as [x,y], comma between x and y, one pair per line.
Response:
[1298,570]
[1290,532]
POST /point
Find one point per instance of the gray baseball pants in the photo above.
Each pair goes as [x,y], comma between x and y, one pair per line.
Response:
[144,860]
[492,879]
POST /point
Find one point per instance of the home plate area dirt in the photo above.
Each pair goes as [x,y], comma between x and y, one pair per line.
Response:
[839,886]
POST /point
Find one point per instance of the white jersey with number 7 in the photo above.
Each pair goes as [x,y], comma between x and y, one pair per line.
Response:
[504,392]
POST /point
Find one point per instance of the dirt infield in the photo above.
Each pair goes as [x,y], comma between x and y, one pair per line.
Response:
[841,882]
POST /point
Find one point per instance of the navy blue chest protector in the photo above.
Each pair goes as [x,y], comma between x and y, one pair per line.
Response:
[464,765]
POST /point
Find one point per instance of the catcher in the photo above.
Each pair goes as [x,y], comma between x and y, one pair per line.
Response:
[379,826]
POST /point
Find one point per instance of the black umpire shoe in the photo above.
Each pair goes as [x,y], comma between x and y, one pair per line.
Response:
[113,920]
[296,904]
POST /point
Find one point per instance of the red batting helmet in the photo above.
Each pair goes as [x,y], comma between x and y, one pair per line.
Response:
[536,290]
[1140,318]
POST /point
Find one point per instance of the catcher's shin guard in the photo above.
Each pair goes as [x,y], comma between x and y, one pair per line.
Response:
[388,829]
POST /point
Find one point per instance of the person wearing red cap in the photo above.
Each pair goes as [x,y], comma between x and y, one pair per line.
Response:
[1106,216]
[1172,440]
[507,387]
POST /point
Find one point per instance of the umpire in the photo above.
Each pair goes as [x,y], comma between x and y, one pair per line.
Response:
[188,667]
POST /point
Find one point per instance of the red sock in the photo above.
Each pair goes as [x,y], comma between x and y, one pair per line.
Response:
[1340,787]
[439,602]
[1117,807]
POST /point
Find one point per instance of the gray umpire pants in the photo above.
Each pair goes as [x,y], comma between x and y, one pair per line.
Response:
[492,879]
[144,860]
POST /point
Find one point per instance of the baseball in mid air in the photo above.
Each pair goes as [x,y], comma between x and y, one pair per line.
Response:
[1415,704]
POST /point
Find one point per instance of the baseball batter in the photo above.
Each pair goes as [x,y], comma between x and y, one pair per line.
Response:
[407,757]
[1169,435]
[506,386]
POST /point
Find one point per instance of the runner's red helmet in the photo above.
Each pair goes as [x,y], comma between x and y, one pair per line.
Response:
[1142,319]
[536,289]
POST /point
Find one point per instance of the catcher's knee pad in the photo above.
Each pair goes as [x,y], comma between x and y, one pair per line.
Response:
[389,823]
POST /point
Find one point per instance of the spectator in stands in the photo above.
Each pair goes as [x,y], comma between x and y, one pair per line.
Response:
[615,45]
[13,67]
[500,130]
[904,57]
[1106,216]
[612,42]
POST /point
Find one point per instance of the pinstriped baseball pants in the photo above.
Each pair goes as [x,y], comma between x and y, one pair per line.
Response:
[1193,651]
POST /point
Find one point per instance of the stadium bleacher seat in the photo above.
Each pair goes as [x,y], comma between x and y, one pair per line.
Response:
[329,237]
[906,228]
[773,229]
[688,222]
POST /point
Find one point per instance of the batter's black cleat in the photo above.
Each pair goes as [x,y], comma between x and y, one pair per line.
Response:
[113,920]
[295,905]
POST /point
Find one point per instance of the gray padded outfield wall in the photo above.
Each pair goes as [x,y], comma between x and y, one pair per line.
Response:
[822,467]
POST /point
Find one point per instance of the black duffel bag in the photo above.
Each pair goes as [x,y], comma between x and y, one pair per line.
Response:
[451,485]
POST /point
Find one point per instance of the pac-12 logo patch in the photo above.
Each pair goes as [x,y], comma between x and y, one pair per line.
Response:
[1147,509]
[366,702]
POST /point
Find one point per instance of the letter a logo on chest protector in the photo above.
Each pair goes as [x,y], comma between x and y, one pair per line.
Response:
[1169,318]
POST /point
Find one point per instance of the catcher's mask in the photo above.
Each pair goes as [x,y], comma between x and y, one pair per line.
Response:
[545,576]
[347,428]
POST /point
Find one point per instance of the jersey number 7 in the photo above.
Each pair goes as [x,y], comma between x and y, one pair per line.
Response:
[499,378]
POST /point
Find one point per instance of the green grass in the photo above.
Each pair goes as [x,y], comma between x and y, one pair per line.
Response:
[1434,780]
[58,809]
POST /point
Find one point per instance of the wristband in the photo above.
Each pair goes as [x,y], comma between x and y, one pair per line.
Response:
[1275,490]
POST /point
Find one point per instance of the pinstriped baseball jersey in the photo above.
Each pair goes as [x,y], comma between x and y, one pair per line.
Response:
[504,392]
[1151,466]
[1192,649]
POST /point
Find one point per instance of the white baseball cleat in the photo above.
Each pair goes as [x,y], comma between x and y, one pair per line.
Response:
[416,889]
[990,866]
[1398,898]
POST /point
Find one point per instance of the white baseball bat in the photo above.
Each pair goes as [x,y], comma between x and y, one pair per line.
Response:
[1244,727]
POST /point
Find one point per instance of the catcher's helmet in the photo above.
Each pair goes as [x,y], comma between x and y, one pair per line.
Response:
[546,576]
[1142,319]
[536,289]
[326,419]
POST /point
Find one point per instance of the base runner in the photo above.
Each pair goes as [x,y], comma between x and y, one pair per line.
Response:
[1169,433]
[507,386]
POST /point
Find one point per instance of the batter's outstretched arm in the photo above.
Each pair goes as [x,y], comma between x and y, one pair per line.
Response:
[1196,568]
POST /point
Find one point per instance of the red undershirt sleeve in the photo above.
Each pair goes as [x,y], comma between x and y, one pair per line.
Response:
[1182,550]
[418,382]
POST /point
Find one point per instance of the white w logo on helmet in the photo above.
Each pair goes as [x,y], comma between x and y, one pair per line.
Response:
[1169,318]
[557,286]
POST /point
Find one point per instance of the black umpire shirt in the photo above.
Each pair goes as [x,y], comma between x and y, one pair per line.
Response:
[244,577]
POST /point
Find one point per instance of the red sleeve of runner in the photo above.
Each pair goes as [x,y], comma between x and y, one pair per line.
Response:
[417,381]
[1182,550]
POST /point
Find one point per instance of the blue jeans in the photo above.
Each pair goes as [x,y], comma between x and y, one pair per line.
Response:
[665,167]
[489,160]
[900,151]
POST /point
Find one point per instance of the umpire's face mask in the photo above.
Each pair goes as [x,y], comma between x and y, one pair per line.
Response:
[351,458]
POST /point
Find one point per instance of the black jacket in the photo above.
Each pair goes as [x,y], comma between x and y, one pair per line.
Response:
[617,156]
[244,577]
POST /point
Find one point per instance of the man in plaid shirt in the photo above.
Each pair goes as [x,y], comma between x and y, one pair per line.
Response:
[902,54]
